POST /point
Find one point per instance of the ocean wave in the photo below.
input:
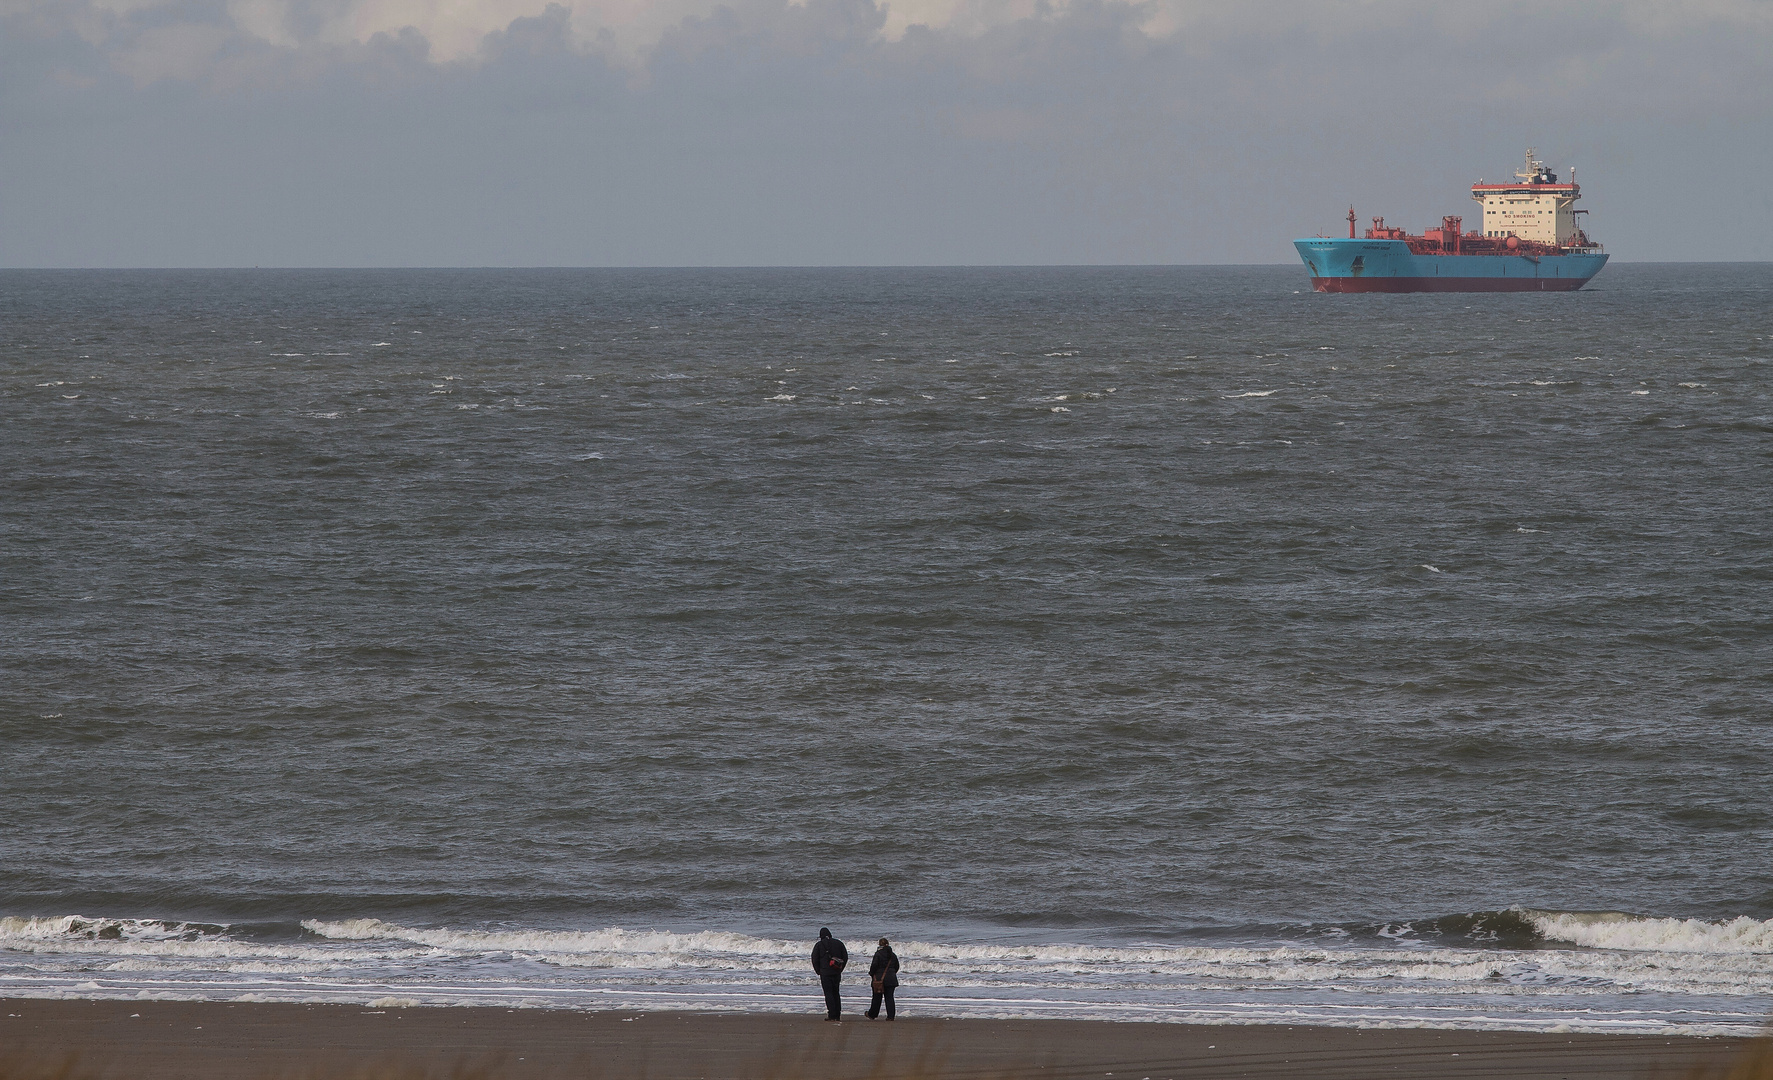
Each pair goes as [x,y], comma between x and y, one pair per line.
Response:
[1403,953]
[63,928]
[79,935]
[613,940]
[1497,968]
[1527,928]
[1617,930]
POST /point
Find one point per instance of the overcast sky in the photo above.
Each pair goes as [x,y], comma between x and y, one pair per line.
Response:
[757,132]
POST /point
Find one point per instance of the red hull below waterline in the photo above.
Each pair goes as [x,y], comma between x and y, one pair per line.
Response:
[1445,284]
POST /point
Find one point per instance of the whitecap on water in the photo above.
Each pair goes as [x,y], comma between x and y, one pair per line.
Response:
[1700,977]
[1614,930]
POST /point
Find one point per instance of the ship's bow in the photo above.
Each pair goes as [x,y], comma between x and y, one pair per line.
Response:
[1353,265]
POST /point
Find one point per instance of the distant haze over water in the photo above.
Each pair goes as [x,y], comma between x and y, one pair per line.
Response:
[1156,643]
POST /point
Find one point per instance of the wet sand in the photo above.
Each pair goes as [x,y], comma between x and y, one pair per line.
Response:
[203,1040]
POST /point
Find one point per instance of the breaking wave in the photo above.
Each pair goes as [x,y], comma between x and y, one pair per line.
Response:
[1514,968]
[1616,930]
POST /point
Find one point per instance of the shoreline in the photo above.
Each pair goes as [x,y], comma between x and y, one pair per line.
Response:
[200,1040]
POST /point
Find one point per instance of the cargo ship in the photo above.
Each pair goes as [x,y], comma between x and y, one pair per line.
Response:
[1529,242]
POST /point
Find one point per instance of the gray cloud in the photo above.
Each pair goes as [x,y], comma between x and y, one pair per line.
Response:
[243,132]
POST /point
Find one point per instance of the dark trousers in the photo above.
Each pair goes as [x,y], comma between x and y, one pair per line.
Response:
[833,1003]
[874,1006]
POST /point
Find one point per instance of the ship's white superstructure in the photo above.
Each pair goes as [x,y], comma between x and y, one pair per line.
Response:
[1536,208]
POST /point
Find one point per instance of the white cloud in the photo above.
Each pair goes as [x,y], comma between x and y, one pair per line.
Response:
[265,20]
[184,51]
[456,29]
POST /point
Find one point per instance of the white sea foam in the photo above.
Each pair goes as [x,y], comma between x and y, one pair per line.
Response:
[1252,393]
[614,940]
[65,927]
[1612,930]
[79,936]
[617,947]
[1639,974]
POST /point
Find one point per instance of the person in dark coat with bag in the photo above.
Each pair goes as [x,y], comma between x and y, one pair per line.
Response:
[884,973]
[829,957]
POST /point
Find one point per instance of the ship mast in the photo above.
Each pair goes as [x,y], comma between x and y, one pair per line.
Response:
[1531,172]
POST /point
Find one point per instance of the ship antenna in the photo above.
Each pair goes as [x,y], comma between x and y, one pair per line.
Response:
[1351,221]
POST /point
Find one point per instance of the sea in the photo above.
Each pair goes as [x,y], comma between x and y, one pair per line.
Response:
[1150,643]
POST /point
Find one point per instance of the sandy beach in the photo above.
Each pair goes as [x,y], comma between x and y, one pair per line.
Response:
[204,1040]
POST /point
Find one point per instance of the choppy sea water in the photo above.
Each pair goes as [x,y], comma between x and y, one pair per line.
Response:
[1128,643]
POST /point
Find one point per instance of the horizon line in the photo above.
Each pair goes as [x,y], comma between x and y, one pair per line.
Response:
[776,266]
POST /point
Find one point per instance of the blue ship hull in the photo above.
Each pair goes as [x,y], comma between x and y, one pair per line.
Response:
[1338,265]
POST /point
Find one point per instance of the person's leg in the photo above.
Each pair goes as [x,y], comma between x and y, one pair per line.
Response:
[889,1003]
[874,1006]
[833,1000]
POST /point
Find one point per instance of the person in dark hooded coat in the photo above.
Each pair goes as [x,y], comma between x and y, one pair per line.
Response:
[884,974]
[829,957]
